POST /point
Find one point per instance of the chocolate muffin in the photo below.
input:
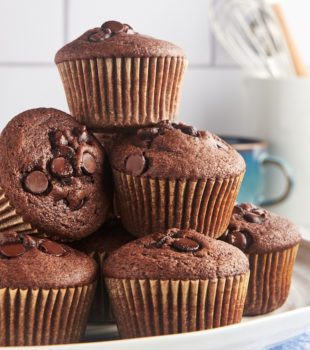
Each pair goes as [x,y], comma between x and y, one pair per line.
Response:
[176,281]
[114,77]
[172,175]
[53,176]
[271,243]
[99,245]
[46,290]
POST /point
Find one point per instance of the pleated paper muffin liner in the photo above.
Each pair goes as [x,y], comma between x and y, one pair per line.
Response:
[10,220]
[155,307]
[44,316]
[151,205]
[101,308]
[109,93]
[270,280]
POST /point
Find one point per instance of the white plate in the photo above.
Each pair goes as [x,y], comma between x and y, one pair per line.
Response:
[252,333]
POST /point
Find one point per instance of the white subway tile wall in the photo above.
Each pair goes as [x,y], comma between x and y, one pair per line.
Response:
[213,95]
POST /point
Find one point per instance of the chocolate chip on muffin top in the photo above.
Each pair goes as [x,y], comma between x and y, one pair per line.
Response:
[256,230]
[115,39]
[54,173]
[33,262]
[175,151]
[175,254]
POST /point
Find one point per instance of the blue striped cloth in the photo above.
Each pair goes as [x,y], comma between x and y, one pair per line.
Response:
[299,342]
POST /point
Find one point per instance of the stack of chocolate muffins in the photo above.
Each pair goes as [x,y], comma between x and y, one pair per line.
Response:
[151,200]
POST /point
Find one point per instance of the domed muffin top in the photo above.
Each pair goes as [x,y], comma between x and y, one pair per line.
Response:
[32,262]
[175,151]
[256,230]
[176,254]
[115,39]
[53,172]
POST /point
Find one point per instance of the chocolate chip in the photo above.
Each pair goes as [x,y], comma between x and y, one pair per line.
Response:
[221,145]
[65,151]
[36,182]
[253,218]
[185,245]
[32,241]
[79,204]
[12,250]
[135,164]
[83,135]
[52,248]
[238,210]
[259,211]
[224,236]
[88,164]
[147,133]
[61,167]
[113,26]
[238,239]
[96,36]
[59,139]
[160,243]
[126,27]
[189,130]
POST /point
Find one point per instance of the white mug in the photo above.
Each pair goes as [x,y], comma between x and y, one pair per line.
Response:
[279,111]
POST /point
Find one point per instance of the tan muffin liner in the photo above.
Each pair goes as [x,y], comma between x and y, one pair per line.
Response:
[44,316]
[10,220]
[105,93]
[150,205]
[101,309]
[270,280]
[154,307]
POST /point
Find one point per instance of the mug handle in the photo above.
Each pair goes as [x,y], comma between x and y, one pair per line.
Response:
[288,173]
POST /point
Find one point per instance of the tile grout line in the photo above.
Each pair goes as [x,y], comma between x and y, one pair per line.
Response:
[66,6]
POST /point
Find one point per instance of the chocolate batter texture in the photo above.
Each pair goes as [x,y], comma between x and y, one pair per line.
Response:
[108,238]
[256,230]
[115,78]
[54,173]
[115,39]
[31,262]
[177,255]
[175,151]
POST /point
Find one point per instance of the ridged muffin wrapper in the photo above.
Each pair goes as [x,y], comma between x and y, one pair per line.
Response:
[270,280]
[156,307]
[109,93]
[101,308]
[10,220]
[151,205]
[44,316]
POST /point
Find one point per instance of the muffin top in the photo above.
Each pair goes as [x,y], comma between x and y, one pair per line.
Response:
[175,151]
[108,238]
[114,39]
[256,230]
[53,172]
[32,262]
[178,255]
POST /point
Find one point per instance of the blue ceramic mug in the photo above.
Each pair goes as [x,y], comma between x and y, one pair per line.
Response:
[254,182]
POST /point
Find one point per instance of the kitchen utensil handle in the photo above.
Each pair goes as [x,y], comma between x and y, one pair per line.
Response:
[288,174]
[300,67]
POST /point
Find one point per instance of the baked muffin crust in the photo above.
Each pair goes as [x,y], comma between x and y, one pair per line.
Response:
[31,262]
[256,230]
[177,255]
[175,151]
[53,172]
[116,40]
